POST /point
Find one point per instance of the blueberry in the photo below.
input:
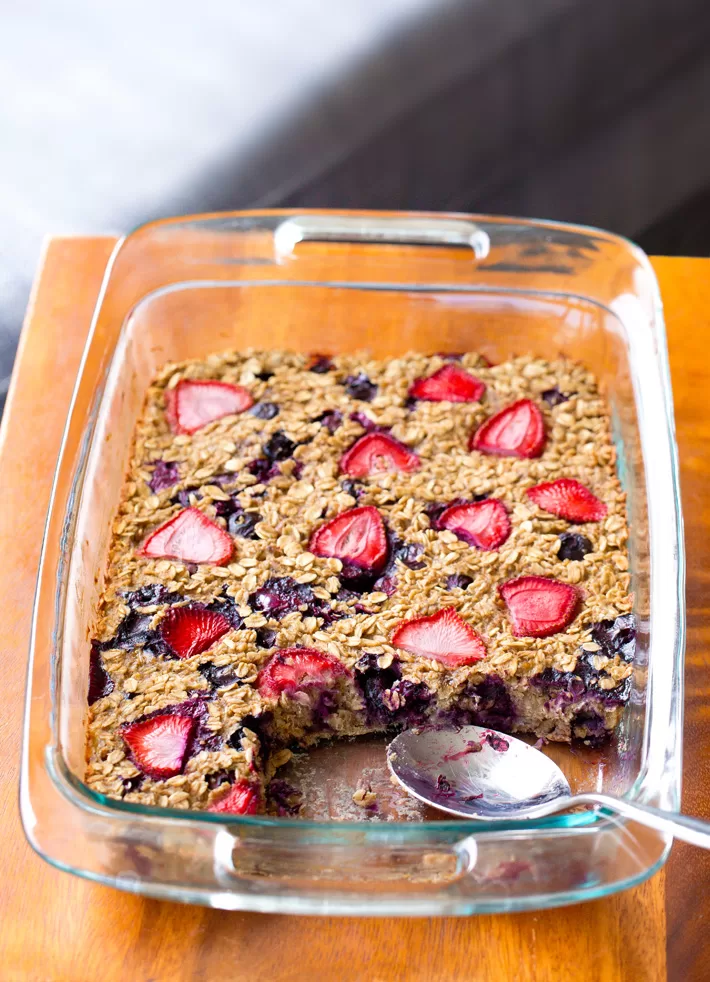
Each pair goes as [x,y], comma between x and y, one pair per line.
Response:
[330,419]
[165,474]
[443,786]
[264,376]
[360,387]
[553,397]
[259,726]
[572,685]
[183,497]
[458,581]
[320,364]
[280,595]
[493,707]
[244,525]
[434,511]
[390,699]
[344,595]
[265,410]
[367,423]
[495,742]
[263,469]
[265,637]
[239,522]
[569,687]
[386,584]
[100,682]
[593,723]
[223,480]
[573,546]
[217,677]
[282,796]
[351,487]
[154,593]
[325,705]
[407,553]
[133,631]
[279,447]
[132,783]
[218,778]
[223,509]
[356,579]
[617,637]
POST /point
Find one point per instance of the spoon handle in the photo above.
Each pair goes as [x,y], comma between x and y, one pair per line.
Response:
[682,827]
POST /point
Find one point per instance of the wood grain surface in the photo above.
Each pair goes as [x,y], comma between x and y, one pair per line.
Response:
[685,287]
[57,927]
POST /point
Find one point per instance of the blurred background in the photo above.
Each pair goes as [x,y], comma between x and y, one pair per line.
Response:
[592,111]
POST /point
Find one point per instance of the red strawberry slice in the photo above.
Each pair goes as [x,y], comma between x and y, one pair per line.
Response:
[568,499]
[356,536]
[191,537]
[191,630]
[483,524]
[450,384]
[291,669]
[192,405]
[443,636]
[159,745]
[242,798]
[377,453]
[539,606]
[516,431]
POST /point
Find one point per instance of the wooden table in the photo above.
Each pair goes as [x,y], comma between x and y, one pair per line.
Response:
[58,927]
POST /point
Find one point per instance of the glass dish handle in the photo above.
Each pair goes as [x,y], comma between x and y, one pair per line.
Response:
[451,232]
[241,857]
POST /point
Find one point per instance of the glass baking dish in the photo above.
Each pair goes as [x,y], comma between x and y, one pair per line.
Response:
[388,282]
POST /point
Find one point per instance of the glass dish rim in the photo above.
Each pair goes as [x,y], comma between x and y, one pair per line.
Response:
[123,809]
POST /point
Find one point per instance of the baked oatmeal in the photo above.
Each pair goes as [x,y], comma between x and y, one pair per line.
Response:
[310,548]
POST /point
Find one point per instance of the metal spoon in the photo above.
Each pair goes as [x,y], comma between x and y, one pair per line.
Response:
[480,773]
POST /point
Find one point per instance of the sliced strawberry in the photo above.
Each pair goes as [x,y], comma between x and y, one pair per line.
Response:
[159,745]
[516,431]
[539,606]
[443,636]
[291,669]
[450,384]
[192,405]
[377,453]
[191,630]
[170,411]
[356,536]
[242,798]
[568,499]
[483,524]
[191,537]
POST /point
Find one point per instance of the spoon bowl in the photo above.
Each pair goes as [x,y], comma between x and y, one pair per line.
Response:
[480,773]
[475,772]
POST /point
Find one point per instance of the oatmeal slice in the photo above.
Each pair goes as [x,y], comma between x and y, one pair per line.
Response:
[317,547]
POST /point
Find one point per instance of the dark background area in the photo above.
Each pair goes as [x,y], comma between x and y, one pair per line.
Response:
[591,111]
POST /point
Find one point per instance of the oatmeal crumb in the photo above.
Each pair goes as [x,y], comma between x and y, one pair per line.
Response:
[364,797]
